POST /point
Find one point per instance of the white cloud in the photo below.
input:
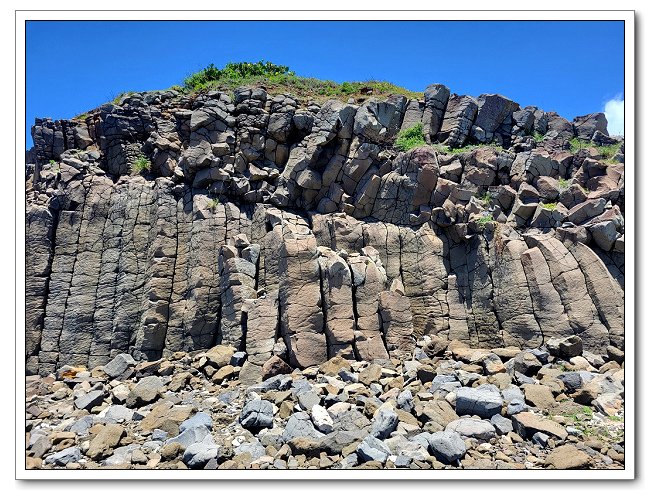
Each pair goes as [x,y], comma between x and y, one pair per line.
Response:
[614,113]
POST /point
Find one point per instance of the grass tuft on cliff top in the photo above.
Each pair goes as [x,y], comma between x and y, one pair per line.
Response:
[279,79]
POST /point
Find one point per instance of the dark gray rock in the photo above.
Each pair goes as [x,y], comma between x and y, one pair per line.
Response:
[448,447]
[145,391]
[257,414]
[587,125]
[89,400]
[201,419]
[484,401]
[502,424]
[300,425]
[64,457]
[372,448]
[119,365]
[384,422]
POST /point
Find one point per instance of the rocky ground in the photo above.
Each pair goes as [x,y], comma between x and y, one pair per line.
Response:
[450,406]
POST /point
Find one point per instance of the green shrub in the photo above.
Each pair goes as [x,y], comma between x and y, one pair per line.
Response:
[235,72]
[487,198]
[608,152]
[539,137]
[550,206]
[410,138]
[577,144]
[213,203]
[564,184]
[482,221]
[278,79]
[141,164]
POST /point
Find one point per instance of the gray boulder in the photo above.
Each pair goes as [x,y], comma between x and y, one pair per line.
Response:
[89,400]
[484,401]
[473,428]
[448,447]
[257,414]
[372,448]
[586,126]
[300,425]
[65,456]
[501,424]
[384,422]
[201,419]
[119,365]
[197,455]
[145,391]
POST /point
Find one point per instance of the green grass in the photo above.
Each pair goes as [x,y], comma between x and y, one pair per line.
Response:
[118,97]
[564,184]
[487,198]
[577,144]
[410,138]
[56,168]
[141,164]
[82,116]
[280,80]
[585,410]
[550,206]
[213,203]
[482,222]
[607,152]
[538,137]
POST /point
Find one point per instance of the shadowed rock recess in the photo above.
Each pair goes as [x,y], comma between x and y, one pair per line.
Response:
[296,232]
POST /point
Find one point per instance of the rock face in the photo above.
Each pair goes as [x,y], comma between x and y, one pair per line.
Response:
[294,232]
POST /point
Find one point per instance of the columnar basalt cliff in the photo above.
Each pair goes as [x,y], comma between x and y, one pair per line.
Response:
[284,227]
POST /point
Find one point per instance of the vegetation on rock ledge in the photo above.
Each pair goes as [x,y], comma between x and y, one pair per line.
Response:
[279,79]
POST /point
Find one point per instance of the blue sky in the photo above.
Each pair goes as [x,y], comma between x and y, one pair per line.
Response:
[573,68]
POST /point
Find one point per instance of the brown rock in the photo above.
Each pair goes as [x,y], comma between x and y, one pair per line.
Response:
[437,414]
[220,355]
[539,396]
[165,416]
[567,457]
[57,437]
[170,451]
[33,463]
[334,365]
[107,439]
[286,409]
[223,373]
[274,366]
[526,424]
[371,374]
[435,347]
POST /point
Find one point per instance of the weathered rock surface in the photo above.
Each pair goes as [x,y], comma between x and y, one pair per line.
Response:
[284,274]
[263,222]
